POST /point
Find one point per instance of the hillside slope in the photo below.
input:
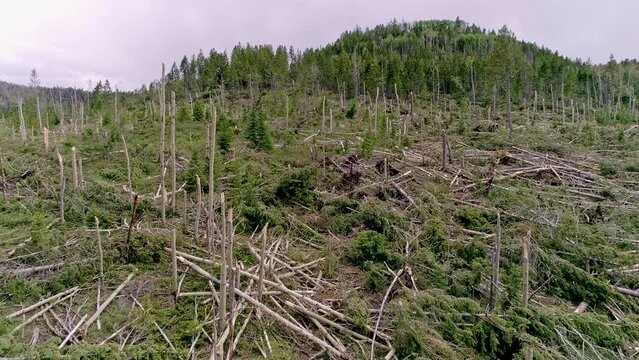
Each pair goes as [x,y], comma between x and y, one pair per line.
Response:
[480,205]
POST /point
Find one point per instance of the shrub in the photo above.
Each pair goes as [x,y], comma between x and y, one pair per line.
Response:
[298,188]
[475,220]
[369,246]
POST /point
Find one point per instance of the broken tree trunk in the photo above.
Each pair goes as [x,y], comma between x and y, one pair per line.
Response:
[128,169]
[210,220]
[198,206]
[23,128]
[445,152]
[494,283]
[173,165]
[38,108]
[525,263]
[223,266]
[162,140]
[174,263]
[260,282]
[101,264]
[324,113]
[45,137]
[74,167]
[61,163]
[2,180]
[106,303]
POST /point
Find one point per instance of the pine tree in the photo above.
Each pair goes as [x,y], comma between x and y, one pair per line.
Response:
[257,131]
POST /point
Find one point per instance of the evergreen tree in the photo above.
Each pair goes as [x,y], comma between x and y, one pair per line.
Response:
[257,132]
[198,111]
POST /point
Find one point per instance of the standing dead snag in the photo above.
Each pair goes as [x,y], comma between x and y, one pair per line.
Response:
[174,263]
[101,264]
[45,138]
[128,169]
[23,128]
[74,167]
[80,173]
[184,220]
[324,113]
[223,266]
[38,109]
[162,138]
[128,247]
[198,206]
[494,283]
[525,263]
[260,282]
[173,166]
[210,221]
[3,183]
[61,163]
[445,152]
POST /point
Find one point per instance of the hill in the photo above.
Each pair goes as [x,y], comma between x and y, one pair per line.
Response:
[427,190]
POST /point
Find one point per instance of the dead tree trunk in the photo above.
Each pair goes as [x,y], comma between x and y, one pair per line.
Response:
[445,152]
[260,282]
[128,168]
[173,165]
[324,113]
[174,263]
[38,108]
[162,141]
[376,110]
[61,163]
[2,180]
[45,136]
[23,128]
[494,283]
[74,167]
[510,115]
[223,266]
[115,117]
[198,207]
[525,263]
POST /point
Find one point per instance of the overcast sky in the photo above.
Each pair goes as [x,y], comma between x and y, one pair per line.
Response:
[72,42]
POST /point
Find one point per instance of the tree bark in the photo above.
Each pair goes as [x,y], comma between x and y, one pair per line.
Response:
[173,165]
[61,163]
[23,129]
[525,262]
[128,169]
[74,167]
[162,145]
[494,284]
[38,108]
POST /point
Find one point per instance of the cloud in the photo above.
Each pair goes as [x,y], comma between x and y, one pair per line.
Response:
[71,42]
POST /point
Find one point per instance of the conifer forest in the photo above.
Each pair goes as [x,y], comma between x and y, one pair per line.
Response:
[424,190]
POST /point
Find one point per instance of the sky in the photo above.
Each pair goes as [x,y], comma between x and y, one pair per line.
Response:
[78,42]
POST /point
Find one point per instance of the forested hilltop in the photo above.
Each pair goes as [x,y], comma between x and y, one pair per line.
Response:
[430,190]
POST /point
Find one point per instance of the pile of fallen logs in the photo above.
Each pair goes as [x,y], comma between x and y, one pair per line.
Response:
[266,290]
